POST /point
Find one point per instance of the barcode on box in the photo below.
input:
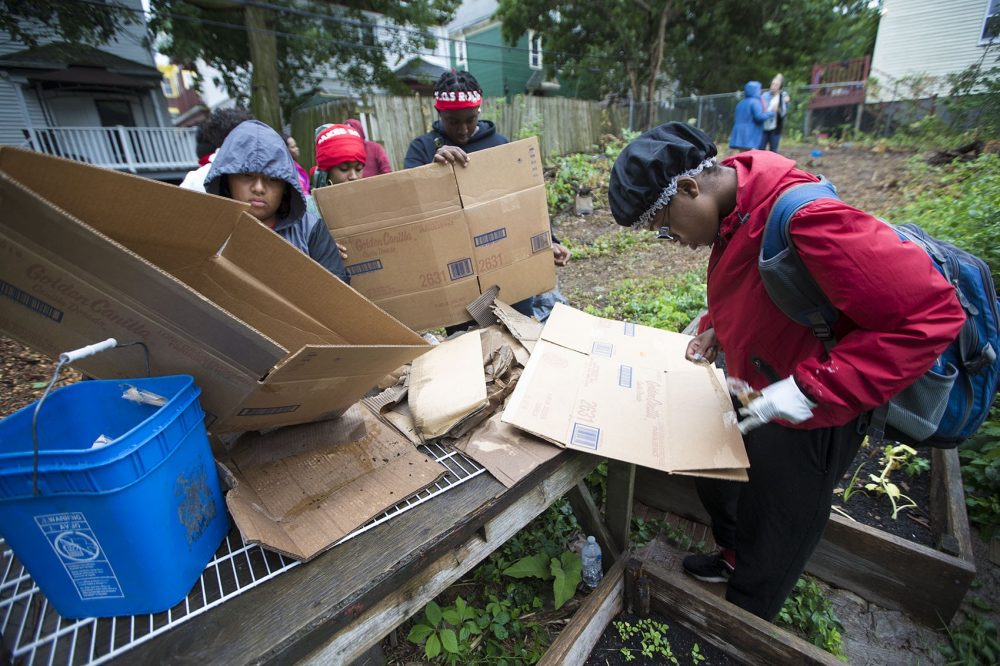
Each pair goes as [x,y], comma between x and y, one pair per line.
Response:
[460,269]
[490,237]
[30,302]
[585,436]
[365,267]
[605,349]
[625,376]
[268,411]
[630,329]
[540,242]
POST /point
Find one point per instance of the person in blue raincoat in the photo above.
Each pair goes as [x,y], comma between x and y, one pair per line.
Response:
[748,119]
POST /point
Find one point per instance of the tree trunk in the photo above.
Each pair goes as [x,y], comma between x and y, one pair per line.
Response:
[263,44]
[656,57]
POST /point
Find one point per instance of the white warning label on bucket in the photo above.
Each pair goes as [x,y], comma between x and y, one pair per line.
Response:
[81,555]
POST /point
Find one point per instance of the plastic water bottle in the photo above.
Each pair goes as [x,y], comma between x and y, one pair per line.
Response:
[590,555]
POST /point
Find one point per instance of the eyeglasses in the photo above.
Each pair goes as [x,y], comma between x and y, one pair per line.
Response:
[663,233]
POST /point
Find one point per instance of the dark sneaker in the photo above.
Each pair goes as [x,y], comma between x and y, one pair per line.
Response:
[711,567]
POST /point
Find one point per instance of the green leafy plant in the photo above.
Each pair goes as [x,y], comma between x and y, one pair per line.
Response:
[564,572]
[974,639]
[894,457]
[808,611]
[696,656]
[614,243]
[437,633]
[852,485]
[916,466]
[645,530]
[657,302]
[653,643]
[980,457]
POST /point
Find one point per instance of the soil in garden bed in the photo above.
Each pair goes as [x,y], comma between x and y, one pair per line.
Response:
[875,510]
[681,642]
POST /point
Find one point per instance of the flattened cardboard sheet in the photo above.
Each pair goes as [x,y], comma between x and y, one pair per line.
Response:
[447,384]
[508,453]
[626,392]
[301,489]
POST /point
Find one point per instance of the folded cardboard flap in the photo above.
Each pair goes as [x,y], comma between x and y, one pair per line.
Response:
[267,333]
[494,173]
[374,203]
[189,228]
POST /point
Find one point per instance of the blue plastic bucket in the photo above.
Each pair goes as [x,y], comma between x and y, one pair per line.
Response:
[122,529]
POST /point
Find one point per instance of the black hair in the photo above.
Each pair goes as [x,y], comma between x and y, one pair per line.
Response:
[214,129]
[457,82]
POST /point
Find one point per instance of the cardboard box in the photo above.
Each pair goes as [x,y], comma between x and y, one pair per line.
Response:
[270,336]
[625,391]
[423,243]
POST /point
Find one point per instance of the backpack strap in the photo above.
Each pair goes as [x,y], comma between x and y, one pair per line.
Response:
[786,279]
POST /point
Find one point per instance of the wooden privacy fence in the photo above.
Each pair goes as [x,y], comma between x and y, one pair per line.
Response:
[563,125]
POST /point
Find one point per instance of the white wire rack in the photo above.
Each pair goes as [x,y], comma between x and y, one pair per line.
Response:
[34,633]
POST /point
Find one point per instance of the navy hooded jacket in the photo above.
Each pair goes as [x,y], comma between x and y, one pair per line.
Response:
[253,147]
[422,149]
[748,119]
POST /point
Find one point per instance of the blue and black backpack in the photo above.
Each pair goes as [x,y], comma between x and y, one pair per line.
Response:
[951,400]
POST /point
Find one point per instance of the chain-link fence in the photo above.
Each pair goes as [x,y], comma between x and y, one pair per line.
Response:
[713,114]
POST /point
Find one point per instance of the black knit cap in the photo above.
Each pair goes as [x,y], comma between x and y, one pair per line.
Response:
[644,177]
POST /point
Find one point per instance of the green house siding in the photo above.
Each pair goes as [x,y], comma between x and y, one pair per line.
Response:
[500,69]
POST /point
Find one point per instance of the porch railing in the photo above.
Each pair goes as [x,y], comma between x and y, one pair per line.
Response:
[134,149]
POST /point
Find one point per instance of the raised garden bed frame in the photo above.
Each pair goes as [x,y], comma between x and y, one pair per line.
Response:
[926,583]
[638,586]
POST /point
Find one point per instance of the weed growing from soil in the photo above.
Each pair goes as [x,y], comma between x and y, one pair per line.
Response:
[808,611]
[893,457]
[656,302]
[974,640]
[614,243]
[652,641]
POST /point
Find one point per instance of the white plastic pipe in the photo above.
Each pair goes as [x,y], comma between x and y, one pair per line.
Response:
[89,350]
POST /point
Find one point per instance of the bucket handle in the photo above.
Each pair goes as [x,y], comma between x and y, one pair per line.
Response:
[64,358]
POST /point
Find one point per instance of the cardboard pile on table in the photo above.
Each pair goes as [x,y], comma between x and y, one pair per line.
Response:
[626,392]
[301,489]
[270,336]
[423,243]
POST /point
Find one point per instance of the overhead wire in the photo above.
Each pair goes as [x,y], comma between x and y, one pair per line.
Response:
[350,23]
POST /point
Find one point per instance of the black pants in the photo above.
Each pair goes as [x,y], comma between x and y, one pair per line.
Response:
[775,521]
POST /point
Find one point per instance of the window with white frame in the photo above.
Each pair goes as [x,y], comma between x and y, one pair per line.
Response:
[991,24]
[534,50]
[461,56]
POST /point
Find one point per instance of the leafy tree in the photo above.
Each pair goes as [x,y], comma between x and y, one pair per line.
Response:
[28,21]
[702,48]
[269,51]
[624,39]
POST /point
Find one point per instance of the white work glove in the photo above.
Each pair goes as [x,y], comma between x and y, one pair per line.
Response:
[781,400]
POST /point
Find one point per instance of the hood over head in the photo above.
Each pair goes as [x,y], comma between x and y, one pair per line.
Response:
[254,147]
[751,89]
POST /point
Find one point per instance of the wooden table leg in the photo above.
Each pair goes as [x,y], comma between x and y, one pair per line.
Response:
[618,511]
[590,519]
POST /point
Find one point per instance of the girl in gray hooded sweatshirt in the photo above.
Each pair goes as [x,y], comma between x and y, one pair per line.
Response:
[254,166]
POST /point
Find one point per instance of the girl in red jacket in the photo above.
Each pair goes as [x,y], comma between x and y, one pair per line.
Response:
[804,429]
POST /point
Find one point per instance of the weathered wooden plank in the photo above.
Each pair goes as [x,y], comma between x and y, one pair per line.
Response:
[589,517]
[286,618]
[737,632]
[891,572]
[669,492]
[371,626]
[949,518]
[578,638]
[618,509]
